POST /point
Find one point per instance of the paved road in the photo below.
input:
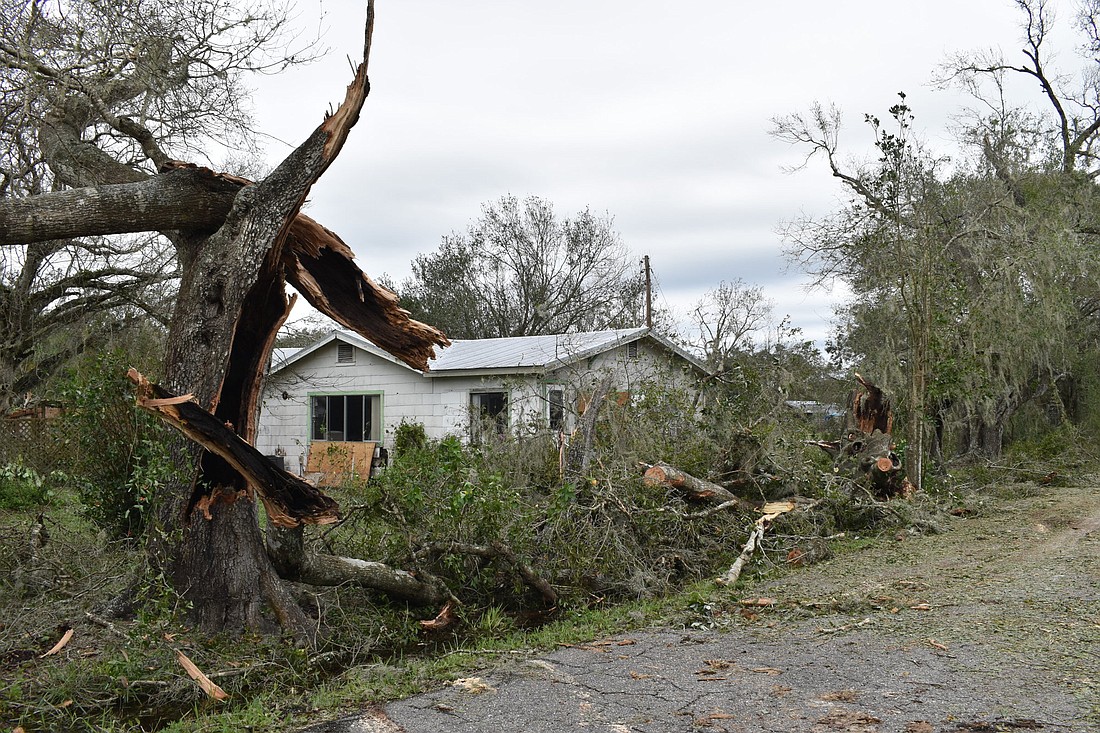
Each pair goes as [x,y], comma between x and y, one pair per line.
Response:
[996,628]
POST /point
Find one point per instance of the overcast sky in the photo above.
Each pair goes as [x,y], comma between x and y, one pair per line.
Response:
[655,112]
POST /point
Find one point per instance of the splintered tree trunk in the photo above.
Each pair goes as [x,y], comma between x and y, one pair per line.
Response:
[230,304]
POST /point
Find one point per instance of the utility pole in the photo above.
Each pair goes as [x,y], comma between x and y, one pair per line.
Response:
[648,294]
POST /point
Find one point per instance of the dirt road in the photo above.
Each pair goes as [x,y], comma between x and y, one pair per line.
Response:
[993,625]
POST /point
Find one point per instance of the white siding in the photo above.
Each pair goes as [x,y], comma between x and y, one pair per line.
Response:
[440,403]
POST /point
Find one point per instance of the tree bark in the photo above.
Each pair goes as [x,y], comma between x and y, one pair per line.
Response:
[579,453]
[286,547]
[185,199]
[230,302]
[696,489]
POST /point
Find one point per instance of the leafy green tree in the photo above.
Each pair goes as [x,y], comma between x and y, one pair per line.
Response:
[521,270]
[963,299]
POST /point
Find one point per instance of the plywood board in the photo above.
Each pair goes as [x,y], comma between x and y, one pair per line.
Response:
[337,462]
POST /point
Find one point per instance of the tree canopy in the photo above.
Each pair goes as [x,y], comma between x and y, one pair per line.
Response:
[972,293]
[522,270]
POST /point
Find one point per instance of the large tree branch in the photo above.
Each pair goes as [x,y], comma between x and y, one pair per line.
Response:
[289,500]
[182,198]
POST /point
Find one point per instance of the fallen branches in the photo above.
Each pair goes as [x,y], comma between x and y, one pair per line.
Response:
[493,551]
[289,501]
[730,576]
[286,548]
[771,511]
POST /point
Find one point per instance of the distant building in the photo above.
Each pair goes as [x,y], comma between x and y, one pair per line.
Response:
[825,413]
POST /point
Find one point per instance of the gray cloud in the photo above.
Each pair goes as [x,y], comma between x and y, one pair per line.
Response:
[655,113]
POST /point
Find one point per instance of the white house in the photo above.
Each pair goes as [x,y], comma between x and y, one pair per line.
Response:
[342,396]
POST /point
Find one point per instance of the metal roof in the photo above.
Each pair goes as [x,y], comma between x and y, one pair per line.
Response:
[528,352]
[515,354]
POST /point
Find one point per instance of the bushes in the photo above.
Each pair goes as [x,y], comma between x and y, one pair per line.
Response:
[118,454]
[22,487]
[603,536]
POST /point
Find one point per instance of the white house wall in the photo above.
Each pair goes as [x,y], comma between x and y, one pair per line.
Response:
[441,403]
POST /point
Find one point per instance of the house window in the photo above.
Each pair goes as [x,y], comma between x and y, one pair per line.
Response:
[488,412]
[343,418]
[345,354]
[555,404]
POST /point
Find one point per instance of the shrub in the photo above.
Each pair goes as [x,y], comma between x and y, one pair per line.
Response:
[22,487]
[119,454]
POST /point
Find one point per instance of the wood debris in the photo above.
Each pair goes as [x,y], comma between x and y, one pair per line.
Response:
[208,686]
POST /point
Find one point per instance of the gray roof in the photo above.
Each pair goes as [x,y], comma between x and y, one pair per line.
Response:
[516,354]
[528,352]
[281,354]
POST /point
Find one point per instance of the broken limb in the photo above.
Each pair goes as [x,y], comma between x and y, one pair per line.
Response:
[579,453]
[771,511]
[697,489]
[493,551]
[871,408]
[289,501]
[286,548]
[730,576]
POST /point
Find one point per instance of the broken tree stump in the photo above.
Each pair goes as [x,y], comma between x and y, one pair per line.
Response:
[866,453]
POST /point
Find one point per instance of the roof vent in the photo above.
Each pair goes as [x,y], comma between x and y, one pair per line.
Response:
[632,350]
[345,354]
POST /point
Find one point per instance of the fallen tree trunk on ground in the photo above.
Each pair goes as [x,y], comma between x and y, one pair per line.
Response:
[696,489]
[286,548]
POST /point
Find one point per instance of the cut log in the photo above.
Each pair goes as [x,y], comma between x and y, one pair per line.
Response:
[870,460]
[696,489]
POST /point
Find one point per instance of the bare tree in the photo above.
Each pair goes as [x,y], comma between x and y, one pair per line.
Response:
[521,270]
[94,93]
[725,320]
